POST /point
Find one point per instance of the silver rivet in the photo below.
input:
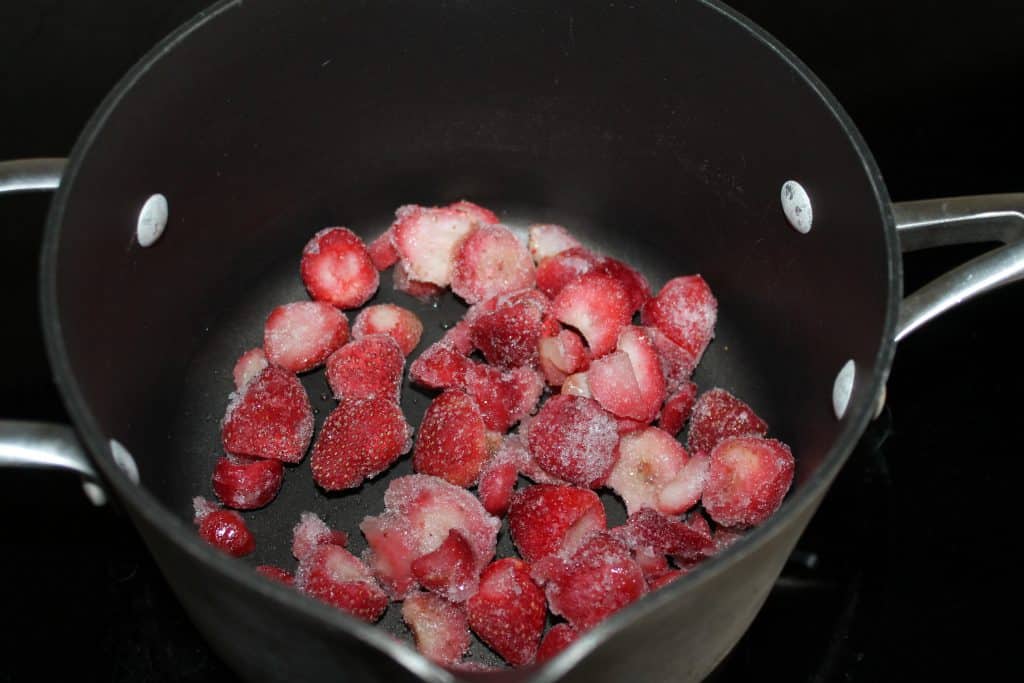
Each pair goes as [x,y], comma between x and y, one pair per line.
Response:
[152,220]
[842,389]
[797,206]
[95,493]
[124,460]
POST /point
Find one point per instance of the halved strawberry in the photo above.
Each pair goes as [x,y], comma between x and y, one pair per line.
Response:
[697,549]
[649,531]
[311,532]
[399,323]
[573,439]
[370,367]
[427,239]
[634,283]
[225,530]
[276,574]
[558,637]
[452,439]
[677,408]
[577,384]
[299,336]
[748,479]
[439,627]
[248,365]
[684,491]
[613,385]
[490,261]
[458,336]
[685,310]
[555,272]
[636,343]
[247,484]
[506,330]
[504,397]
[336,268]
[677,364]
[358,441]
[665,579]
[508,612]
[646,461]
[382,252]
[544,519]
[562,355]
[497,481]
[270,417]
[475,211]
[451,571]
[548,239]
[335,576]
[598,306]
[440,366]
[718,415]
[401,281]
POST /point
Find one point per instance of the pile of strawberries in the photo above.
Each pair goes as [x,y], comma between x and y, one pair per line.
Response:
[547,377]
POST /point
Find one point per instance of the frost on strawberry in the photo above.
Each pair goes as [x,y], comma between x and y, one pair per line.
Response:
[246,484]
[647,460]
[451,570]
[225,530]
[399,323]
[311,532]
[718,415]
[651,534]
[677,364]
[685,310]
[401,281]
[573,439]
[270,417]
[598,306]
[427,240]
[677,408]
[491,261]
[548,239]
[555,272]
[440,366]
[504,396]
[439,628]
[507,328]
[337,268]
[748,478]
[546,519]
[249,365]
[336,577]
[370,367]
[299,336]
[635,284]
[508,611]
[452,439]
[562,355]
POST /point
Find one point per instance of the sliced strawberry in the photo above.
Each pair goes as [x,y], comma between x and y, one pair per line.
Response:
[573,439]
[504,397]
[613,384]
[646,461]
[558,637]
[458,336]
[634,283]
[382,252]
[684,491]
[440,366]
[507,331]
[718,415]
[358,441]
[677,408]
[451,570]
[677,364]
[399,323]
[624,425]
[548,239]
[336,268]
[452,439]
[427,240]
[598,306]
[276,574]
[423,291]
[555,272]
[225,530]
[508,612]
[499,474]
[652,563]
[577,384]
[248,365]
[748,479]
[439,627]
[370,367]
[665,579]
[649,531]
[335,576]
[299,336]
[311,532]
[543,519]
[636,343]
[562,355]
[491,261]
[685,310]
[475,211]
[247,484]
[419,512]
[270,417]
[697,550]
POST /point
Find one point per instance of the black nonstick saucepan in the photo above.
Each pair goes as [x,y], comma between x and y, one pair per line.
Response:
[662,133]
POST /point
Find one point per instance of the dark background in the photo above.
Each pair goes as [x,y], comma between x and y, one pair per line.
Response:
[907,571]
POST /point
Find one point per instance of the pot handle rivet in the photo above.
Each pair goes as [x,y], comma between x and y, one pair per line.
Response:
[152,220]
[842,388]
[796,204]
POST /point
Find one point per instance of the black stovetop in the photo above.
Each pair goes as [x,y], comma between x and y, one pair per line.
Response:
[907,569]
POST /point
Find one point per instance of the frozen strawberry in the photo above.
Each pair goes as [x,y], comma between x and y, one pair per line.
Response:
[311,532]
[508,611]
[270,417]
[624,425]
[225,530]
[439,627]
[634,283]
[423,291]
[335,576]
[650,532]
[598,306]
[718,415]
[558,637]
[573,439]
[497,481]
[597,580]
[370,367]
[555,272]
[636,343]
[665,579]
[276,574]
[458,335]
[684,491]
[358,441]
[427,240]
[451,571]
[504,397]
[652,563]
[452,439]
[491,261]
[613,385]
[697,550]
[440,366]
[475,211]
[646,461]
[247,484]
[419,512]
[562,355]
[544,519]
[685,310]
[748,479]
[677,408]
[248,365]
[577,384]
[336,268]
[299,336]
[382,252]
[508,333]
[548,239]
[399,323]
[677,364]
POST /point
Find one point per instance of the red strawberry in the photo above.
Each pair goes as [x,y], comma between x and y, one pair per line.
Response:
[370,367]
[458,336]
[335,576]
[562,355]
[440,366]
[665,579]
[439,627]
[613,385]
[547,239]
[497,481]
[508,612]
[399,323]
[336,268]
[647,460]
[358,441]
[452,439]
[653,533]
[247,484]
[311,532]
[491,261]
[475,211]
[677,364]
[684,491]
[624,425]
[685,310]
[573,439]
[748,479]
[299,336]
[507,330]
[225,530]
[555,272]
[248,365]
[528,466]
[544,519]
[636,343]
[423,291]
[577,384]
[677,408]
[276,574]
[270,417]
[382,253]
[451,570]
[635,283]
[598,306]
[504,397]
[718,415]
[558,637]
[427,239]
